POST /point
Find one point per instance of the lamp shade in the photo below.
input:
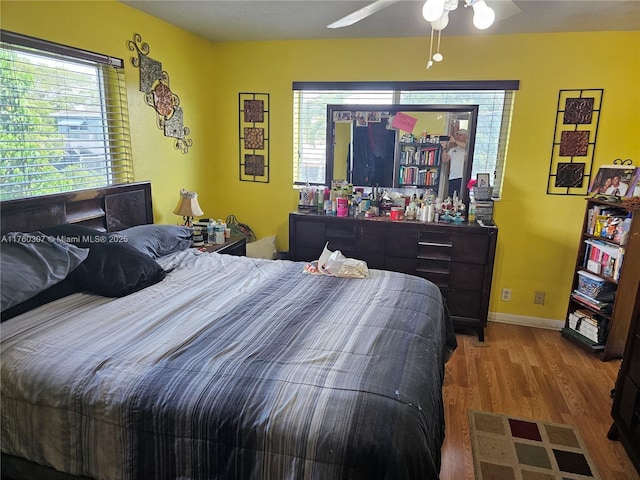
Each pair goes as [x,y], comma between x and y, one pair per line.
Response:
[188,204]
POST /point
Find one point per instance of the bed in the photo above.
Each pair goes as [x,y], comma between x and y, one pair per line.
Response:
[224,368]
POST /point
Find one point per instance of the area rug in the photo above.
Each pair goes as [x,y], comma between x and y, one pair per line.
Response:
[510,448]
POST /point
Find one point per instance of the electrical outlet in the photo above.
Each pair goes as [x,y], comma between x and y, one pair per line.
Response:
[506,294]
[539,298]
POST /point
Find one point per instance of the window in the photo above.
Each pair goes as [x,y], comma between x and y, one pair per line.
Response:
[63,119]
[495,100]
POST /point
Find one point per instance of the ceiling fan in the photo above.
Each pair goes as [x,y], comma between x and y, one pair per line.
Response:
[503,9]
[436,12]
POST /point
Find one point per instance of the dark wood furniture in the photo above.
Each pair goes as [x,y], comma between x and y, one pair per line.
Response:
[108,209]
[626,401]
[235,245]
[627,286]
[457,258]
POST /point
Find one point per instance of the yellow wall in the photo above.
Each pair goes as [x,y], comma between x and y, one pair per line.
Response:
[538,232]
[106,27]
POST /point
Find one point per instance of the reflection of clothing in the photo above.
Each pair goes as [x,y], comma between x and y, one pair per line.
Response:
[456,168]
[373,149]
[455,184]
[619,190]
[456,164]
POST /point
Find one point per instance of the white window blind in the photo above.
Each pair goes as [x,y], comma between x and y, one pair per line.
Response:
[63,119]
[495,100]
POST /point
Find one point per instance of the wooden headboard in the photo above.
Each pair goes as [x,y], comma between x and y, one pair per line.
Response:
[107,209]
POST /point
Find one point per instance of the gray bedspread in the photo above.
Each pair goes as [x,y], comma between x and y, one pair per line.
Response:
[232,368]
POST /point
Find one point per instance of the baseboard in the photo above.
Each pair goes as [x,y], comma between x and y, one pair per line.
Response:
[537,322]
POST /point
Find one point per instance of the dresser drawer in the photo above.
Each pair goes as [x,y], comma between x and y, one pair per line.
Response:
[464,303]
[440,279]
[401,243]
[400,264]
[310,234]
[470,248]
[633,362]
[466,276]
[370,239]
[629,407]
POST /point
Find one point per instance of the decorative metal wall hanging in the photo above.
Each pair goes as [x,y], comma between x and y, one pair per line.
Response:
[154,83]
[253,127]
[574,141]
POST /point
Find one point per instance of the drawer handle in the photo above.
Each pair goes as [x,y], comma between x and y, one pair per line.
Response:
[435,244]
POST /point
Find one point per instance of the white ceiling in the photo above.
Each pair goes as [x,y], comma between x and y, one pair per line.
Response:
[237,20]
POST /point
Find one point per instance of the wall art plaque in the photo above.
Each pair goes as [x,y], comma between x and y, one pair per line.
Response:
[154,83]
[574,141]
[254,135]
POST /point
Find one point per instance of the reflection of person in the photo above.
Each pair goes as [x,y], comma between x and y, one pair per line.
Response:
[618,187]
[455,155]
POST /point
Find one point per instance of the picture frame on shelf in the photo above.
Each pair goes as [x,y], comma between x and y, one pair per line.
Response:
[614,180]
[634,189]
[482,180]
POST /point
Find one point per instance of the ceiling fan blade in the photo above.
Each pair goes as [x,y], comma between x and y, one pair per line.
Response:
[504,8]
[362,13]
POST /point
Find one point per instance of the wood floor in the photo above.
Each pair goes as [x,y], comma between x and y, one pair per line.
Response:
[531,373]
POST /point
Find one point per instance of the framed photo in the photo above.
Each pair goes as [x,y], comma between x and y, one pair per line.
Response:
[342,116]
[634,190]
[482,180]
[361,119]
[374,116]
[614,180]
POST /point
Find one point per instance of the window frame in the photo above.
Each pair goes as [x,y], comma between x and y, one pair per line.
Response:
[102,157]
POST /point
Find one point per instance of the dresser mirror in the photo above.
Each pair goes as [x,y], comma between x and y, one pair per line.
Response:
[363,141]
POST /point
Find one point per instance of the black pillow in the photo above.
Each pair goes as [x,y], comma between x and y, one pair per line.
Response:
[59,290]
[111,269]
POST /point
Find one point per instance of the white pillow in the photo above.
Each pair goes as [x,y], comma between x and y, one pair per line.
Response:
[263,248]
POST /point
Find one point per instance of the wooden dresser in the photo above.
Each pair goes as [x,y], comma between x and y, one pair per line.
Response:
[457,258]
[626,401]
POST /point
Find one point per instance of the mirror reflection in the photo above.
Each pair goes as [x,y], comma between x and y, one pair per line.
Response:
[399,146]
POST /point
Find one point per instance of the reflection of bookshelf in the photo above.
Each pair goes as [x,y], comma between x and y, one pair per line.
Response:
[418,164]
[606,278]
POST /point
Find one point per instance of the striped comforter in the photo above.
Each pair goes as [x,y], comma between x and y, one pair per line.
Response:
[232,368]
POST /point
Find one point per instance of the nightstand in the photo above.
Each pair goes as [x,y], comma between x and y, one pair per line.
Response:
[236,245]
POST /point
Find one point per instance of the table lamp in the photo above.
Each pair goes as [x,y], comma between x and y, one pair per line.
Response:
[188,207]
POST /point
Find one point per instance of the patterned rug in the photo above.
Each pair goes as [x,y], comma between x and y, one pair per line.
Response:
[508,448]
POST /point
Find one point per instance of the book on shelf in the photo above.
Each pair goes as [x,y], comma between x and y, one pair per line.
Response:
[420,155]
[603,258]
[589,302]
[585,325]
[410,175]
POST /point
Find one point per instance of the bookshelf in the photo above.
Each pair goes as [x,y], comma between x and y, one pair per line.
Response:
[606,278]
[419,164]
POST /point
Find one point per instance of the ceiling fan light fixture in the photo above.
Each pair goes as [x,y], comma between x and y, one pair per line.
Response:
[442,22]
[483,15]
[433,10]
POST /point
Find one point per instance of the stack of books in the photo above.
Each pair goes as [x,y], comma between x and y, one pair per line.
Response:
[592,303]
[588,325]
